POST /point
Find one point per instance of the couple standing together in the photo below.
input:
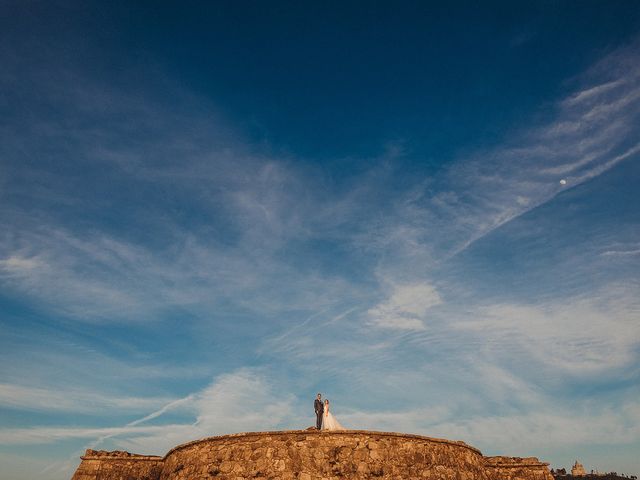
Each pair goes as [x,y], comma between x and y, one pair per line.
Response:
[324,419]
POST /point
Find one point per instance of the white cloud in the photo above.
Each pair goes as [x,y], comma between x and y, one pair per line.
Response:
[592,92]
[501,384]
[267,202]
[239,401]
[406,308]
[16,264]
[589,132]
[243,400]
[409,421]
[622,250]
[71,400]
[576,335]
[47,435]
[99,277]
[218,238]
[515,434]
[91,273]
[527,433]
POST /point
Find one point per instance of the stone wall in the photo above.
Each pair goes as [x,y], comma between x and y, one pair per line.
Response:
[516,468]
[310,455]
[101,465]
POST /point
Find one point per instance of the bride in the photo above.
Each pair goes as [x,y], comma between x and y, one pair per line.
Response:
[329,422]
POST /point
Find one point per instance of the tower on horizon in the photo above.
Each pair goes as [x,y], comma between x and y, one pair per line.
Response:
[578,470]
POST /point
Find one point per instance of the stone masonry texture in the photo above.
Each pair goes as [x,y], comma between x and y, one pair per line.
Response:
[516,468]
[311,455]
[118,466]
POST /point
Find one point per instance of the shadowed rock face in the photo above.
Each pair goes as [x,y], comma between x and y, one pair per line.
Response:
[307,455]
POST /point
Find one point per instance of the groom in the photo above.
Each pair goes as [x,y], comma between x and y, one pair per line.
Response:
[319,408]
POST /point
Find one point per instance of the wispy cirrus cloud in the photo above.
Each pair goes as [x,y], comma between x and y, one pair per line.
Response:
[545,430]
[405,308]
[517,434]
[72,400]
[580,335]
[210,229]
[621,250]
[266,204]
[242,400]
[98,277]
[18,266]
[246,400]
[589,131]
[352,268]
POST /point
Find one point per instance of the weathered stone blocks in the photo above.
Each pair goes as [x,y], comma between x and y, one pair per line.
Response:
[516,468]
[118,466]
[312,455]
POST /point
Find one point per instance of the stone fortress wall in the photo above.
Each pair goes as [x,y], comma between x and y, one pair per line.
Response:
[307,455]
[516,468]
[310,454]
[118,465]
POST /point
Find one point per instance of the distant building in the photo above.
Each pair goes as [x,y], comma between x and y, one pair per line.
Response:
[578,470]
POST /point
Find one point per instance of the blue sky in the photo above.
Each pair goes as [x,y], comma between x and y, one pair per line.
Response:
[212,212]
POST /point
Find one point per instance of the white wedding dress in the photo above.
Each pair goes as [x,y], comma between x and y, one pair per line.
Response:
[329,422]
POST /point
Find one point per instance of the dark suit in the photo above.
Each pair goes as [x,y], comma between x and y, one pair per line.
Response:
[319,408]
